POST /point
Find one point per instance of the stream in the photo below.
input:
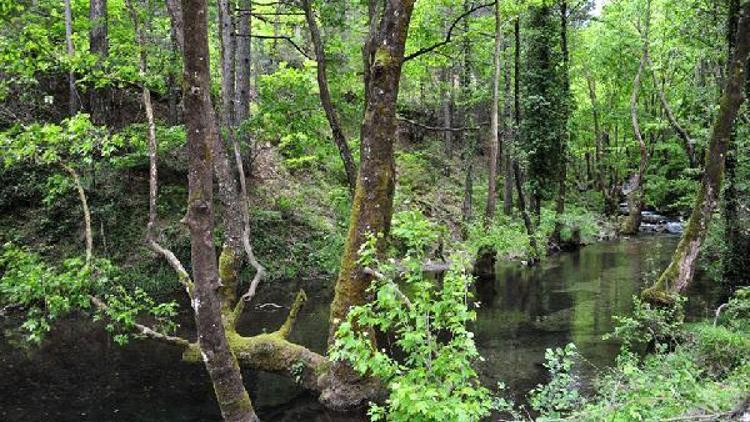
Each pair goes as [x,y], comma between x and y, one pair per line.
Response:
[80,374]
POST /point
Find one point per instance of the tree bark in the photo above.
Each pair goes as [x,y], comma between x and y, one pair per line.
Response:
[219,360]
[339,139]
[489,212]
[632,221]
[72,94]
[98,46]
[174,9]
[372,204]
[243,62]
[680,271]
[507,148]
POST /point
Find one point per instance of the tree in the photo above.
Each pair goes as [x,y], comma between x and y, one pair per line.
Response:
[680,271]
[372,204]
[494,140]
[219,360]
[99,47]
[543,127]
[339,139]
[632,221]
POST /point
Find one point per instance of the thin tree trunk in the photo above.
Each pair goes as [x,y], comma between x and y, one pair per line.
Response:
[243,62]
[635,197]
[372,204]
[507,147]
[687,142]
[446,109]
[87,233]
[339,139]
[680,271]
[489,212]
[72,94]
[174,9]
[534,257]
[219,360]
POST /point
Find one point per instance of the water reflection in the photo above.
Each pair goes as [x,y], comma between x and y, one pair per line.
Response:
[79,375]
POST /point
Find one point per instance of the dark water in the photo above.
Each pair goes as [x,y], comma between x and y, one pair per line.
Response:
[80,375]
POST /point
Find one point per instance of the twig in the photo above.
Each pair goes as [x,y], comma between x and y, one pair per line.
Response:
[144,330]
[299,300]
[380,276]
[438,128]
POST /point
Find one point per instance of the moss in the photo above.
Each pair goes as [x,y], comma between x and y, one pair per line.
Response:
[382,57]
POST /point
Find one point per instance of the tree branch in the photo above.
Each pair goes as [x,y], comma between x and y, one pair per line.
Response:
[279,37]
[438,128]
[299,300]
[449,34]
[144,330]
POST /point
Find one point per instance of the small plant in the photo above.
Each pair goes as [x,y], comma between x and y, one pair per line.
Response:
[560,395]
[660,325]
[431,377]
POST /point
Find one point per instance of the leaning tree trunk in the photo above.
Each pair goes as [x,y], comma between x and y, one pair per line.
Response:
[219,360]
[325,98]
[372,204]
[680,271]
[632,221]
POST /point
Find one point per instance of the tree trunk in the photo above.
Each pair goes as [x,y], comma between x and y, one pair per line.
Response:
[98,46]
[243,62]
[489,212]
[680,271]
[72,94]
[372,204]
[736,259]
[219,360]
[339,139]
[555,240]
[632,221]
[446,109]
[507,148]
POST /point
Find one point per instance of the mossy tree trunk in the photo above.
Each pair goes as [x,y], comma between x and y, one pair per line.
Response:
[555,239]
[372,204]
[680,271]
[219,360]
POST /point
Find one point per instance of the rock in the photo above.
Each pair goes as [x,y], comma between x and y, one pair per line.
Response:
[675,227]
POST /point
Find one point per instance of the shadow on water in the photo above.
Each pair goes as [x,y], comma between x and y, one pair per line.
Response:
[80,375]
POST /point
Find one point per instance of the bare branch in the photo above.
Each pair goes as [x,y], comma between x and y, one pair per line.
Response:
[153,180]
[449,34]
[279,37]
[438,128]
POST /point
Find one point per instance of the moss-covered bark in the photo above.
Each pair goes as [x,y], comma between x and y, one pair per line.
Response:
[680,271]
[372,204]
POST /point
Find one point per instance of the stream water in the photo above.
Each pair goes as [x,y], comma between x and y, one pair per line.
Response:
[79,374]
